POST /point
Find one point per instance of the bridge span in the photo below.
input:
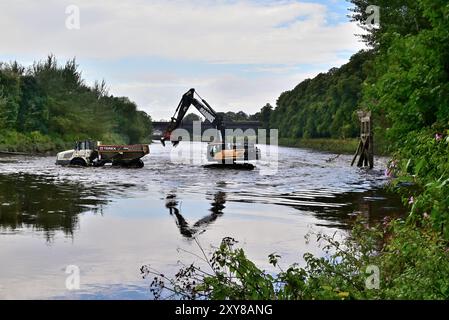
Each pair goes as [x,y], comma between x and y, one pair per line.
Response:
[160,126]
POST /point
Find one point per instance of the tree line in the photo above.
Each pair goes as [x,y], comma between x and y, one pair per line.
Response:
[51,103]
[229,116]
[402,78]
[323,107]
[263,116]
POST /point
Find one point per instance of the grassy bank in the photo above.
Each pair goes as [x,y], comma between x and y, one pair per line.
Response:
[38,143]
[34,142]
[346,146]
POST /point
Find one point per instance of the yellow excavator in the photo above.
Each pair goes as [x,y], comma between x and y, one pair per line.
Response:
[222,154]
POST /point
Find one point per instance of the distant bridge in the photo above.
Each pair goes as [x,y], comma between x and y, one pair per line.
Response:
[160,126]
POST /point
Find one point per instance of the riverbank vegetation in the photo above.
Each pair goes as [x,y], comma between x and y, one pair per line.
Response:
[323,107]
[345,146]
[46,107]
[387,262]
[407,88]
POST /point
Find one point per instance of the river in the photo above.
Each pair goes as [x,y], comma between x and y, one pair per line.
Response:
[108,222]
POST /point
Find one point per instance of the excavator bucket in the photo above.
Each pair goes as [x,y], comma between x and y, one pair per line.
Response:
[167,135]
[174,142]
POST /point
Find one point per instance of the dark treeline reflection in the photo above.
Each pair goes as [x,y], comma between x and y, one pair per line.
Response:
[28,201]
[372,206]
[334,209]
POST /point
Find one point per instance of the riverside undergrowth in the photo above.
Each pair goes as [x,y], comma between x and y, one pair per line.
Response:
[394,260]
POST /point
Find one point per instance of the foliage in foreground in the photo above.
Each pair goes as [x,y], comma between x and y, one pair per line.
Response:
[413,263]
[422,162]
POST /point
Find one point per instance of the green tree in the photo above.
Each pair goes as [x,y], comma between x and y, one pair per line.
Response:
[52,100]
[9,96]
[265,115]
[191,117]
[324,106]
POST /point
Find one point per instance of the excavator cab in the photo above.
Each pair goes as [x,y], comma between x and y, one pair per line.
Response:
[232,153]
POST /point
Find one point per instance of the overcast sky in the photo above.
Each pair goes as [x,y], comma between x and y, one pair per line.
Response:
[239,55]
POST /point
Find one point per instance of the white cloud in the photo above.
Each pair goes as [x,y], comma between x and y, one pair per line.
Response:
[285,32]
[271,42]
[160,95]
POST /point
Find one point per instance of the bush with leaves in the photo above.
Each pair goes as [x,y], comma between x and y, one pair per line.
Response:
[413,263]
[422,162]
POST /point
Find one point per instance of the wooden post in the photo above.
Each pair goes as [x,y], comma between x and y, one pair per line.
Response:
[366,146]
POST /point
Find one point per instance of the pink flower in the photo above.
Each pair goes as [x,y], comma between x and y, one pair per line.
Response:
[411,200]
[438,136]
[386,221]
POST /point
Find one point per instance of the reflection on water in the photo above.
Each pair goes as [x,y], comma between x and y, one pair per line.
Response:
[372,205]
[110,221]
[30,201]
[335,209]
[188,231]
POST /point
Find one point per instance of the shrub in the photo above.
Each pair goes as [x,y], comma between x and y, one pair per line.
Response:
[413,263]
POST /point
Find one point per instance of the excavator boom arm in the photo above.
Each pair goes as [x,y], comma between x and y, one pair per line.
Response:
[202,106]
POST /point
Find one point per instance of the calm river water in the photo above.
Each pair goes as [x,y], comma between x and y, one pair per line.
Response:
[111,221]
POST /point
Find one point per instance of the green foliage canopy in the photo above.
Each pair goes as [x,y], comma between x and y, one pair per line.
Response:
[54,101]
